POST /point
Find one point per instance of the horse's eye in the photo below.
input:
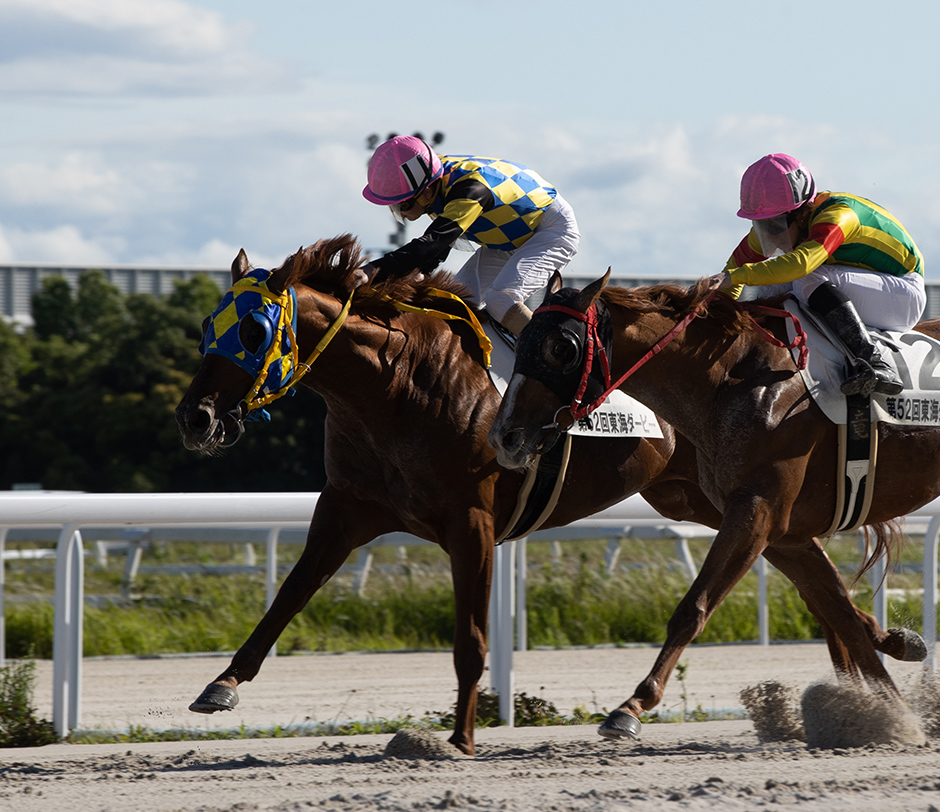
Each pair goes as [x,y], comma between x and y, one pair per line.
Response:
[254,336]
[560,352]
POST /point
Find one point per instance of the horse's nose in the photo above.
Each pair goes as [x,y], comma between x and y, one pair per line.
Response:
[510,440]
[505,441]
[195,420]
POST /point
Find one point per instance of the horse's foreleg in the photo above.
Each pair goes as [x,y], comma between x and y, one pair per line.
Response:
[472,572]
[737,546]
[338,527]
[741,539]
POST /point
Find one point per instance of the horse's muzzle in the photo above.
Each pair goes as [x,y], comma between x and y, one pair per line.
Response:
[199,427]
[515,449]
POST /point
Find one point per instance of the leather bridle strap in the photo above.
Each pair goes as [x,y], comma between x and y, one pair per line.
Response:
[578,410]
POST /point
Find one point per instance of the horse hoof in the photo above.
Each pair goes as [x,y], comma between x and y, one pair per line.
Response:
[620,725]
[915,649]
[215,698]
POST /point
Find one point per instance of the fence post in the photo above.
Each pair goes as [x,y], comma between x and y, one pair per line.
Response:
[879,578]
[930,593]
[67,635]
[522,615]
[3,627]
[763,612]
[501,631]
[271,574]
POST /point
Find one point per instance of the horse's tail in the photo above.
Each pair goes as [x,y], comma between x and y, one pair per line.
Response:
[888,540]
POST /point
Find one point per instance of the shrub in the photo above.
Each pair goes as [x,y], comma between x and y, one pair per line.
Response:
[19,726]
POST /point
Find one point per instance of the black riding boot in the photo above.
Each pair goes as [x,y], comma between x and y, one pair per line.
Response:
[872,373]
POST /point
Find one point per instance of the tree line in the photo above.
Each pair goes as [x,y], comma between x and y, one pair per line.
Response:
[88,394]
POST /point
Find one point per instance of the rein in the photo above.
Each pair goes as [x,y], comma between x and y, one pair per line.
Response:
[799,340]
[576,409]
[470,318]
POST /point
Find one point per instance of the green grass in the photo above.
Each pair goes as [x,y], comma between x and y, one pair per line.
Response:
[571,602]
[408,605]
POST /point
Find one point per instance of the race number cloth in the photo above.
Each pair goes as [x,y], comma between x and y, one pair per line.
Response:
[915,356]
[618,416]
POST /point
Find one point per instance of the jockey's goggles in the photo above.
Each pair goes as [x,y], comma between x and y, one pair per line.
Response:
[256,329]
[397,209]
[774,234]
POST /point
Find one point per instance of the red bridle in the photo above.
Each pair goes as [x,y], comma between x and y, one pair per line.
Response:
[577,409]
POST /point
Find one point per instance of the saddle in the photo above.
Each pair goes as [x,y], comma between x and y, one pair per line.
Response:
[915,356]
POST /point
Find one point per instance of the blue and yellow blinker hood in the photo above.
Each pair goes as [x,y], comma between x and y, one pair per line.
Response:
[246,304]
[274,361]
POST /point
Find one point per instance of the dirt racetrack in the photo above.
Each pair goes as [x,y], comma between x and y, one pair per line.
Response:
[711,765]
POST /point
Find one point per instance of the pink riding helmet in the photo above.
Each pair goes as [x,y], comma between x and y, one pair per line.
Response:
[774,185]
[399,169]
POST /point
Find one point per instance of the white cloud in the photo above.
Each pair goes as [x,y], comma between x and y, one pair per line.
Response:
[654,199]
[215,253]
[151,26]
[122,47]
[77,181]
[63,244]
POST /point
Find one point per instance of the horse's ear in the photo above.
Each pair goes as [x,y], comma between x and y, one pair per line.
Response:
[240,265]
[279,279]
[554,285]
[588,295]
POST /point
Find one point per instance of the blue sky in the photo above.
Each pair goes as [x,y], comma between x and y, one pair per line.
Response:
[165,132]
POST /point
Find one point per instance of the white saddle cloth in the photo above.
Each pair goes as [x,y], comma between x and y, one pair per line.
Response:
[618,416]
[915,356]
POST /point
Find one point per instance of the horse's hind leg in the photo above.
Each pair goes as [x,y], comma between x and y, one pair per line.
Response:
[899,643]
[339,526]
[850,634]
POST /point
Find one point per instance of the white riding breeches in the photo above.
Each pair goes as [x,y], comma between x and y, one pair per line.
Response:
[883,301]
[500,279]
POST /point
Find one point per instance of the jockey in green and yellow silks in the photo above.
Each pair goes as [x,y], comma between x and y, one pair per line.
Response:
[847,259]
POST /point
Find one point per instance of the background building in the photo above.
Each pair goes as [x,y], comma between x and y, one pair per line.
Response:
[18,283]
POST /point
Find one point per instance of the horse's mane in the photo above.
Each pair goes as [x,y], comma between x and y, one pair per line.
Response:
[330,265]
[678,301]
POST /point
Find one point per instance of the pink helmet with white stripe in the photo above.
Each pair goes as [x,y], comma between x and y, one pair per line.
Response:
[774,185]
[399,169]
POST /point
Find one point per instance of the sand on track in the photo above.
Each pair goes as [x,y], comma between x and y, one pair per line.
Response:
[711,765]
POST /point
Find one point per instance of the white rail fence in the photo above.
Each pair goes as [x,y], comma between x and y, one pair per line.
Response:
[271,513]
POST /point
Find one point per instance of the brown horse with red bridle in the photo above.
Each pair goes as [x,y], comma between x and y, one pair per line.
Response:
[766,454]
[409,407]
